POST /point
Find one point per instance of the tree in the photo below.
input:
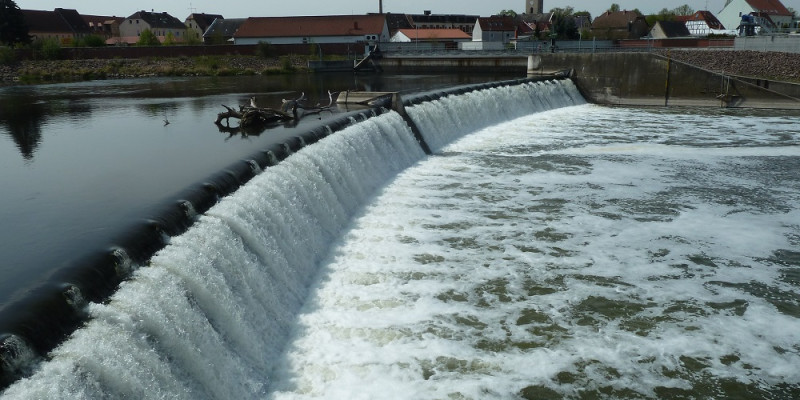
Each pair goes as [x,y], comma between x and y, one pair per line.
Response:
[564,23]
[586,14]
[683,10]
[508,13]
[614,8]
[13,28]
[558,11]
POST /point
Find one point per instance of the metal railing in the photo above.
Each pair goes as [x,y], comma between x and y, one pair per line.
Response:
[537,47]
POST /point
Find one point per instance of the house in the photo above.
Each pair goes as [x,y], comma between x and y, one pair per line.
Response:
[770,15]
[103,26]
[430,35]
[427,20]
[620,25]
[221,31]
[669,30]
[162,25]
[197,24]
[502,29]
[702,23]
[338,29]
[64,25]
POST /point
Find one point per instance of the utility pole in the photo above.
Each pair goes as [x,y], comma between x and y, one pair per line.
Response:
[380,6]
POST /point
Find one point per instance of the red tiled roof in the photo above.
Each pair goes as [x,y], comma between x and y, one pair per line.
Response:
[432,34]
[336,25]
[772,7]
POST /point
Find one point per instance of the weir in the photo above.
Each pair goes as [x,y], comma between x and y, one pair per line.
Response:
[217,279]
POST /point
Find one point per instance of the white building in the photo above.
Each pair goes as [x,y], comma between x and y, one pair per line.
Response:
[771,13]
[495,29]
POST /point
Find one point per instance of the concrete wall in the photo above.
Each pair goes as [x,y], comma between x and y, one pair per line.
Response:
[443,64]
[648,79]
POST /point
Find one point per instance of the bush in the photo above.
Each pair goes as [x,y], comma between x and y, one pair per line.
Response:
[286,64]
[47,49]
[7,56]
[170,40]
[264,49]
[90,41]
[148,38]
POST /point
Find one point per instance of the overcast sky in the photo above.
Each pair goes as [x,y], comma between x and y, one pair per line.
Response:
[270,8]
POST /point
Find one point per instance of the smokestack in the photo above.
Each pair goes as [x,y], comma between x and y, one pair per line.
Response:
[380,6]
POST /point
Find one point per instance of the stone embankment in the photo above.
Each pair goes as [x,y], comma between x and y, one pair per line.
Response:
[755,64]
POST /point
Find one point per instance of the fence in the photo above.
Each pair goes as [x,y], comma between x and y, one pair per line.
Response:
[777,43]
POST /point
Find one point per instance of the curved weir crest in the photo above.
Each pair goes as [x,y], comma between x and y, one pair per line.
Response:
[211,312]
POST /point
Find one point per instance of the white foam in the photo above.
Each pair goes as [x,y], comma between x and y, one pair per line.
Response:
[547,253]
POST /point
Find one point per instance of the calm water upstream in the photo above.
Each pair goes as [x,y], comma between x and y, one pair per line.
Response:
[547,249]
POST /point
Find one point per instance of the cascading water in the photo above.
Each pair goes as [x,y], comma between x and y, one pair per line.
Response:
[211,312]
[447,119]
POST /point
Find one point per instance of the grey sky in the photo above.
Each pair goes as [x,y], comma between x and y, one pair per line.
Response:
[267,8]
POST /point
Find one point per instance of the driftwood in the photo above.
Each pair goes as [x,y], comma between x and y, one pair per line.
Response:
[254,119]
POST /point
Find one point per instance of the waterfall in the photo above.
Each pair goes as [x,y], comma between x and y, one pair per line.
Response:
[209,314]
[446,119]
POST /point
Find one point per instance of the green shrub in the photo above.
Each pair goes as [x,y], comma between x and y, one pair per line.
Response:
[90,41]
[286,64]
[264,49]
[7,55]
[148,38]
[47,49]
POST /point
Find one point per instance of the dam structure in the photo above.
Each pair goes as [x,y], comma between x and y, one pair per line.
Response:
[202,303]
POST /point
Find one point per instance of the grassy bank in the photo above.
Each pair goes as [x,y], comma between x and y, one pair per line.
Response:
[46,71]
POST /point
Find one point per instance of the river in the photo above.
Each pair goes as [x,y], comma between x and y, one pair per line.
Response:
[547,249]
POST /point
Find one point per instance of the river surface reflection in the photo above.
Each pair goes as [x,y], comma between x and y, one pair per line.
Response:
[82,162]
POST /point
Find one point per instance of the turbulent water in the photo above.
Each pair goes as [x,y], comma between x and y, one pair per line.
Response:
[585,252]
[574,251]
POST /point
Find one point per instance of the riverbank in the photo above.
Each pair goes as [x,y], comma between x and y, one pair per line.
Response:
[773,66]
[45,71]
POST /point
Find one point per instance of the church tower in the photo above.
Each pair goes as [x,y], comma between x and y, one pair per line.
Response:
[534,6]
